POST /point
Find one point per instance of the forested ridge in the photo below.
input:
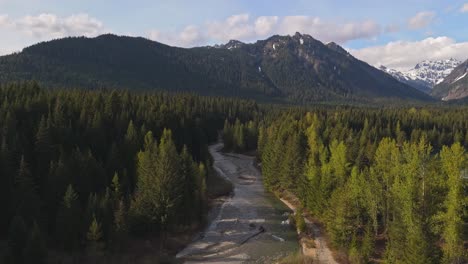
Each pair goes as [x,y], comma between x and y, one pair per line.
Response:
[85,171]
[289,69]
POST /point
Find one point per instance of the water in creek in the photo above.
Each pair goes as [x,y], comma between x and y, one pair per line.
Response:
[247,227]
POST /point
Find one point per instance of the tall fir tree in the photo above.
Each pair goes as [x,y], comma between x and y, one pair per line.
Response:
[68,224]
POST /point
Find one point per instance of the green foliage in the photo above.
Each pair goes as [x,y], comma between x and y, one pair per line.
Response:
[94,232]
[90,139]
[453,159]
[240,137]
[371,173]
[135,161]
[26,198]
[300,222]
[68,222]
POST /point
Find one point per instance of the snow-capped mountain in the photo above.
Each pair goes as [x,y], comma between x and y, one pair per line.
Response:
[426,74]
[455,85]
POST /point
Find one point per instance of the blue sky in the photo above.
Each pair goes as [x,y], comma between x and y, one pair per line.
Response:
[394,33]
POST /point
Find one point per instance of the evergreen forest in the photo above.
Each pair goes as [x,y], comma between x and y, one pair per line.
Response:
[92,171]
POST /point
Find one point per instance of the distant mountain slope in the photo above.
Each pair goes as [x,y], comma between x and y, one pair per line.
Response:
[295,68]
[455,85]
[426,74]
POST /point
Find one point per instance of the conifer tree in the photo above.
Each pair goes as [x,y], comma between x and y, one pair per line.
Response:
[43,151]
[453,159]
[94,236]
[27,200]
[68,220]
[116,188]
[202,174]
[190,187]
[169,180]
[144,206]
[94,232]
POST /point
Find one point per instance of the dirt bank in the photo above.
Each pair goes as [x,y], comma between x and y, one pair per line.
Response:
[320,252]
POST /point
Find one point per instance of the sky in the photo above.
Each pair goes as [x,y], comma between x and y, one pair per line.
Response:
[397,33]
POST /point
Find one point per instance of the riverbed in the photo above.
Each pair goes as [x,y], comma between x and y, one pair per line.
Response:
[247,225]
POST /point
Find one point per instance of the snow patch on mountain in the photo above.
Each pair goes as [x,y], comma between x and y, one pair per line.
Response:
[461,77]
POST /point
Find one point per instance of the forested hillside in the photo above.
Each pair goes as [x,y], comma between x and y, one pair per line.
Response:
[294,69]
[88,170]
[389,184]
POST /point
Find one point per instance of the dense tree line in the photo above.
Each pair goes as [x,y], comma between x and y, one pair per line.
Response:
[240,137]
[86,169]
[396,175]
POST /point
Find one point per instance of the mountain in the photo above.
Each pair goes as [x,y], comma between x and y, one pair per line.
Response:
[426,74]
[297,68]
[455,85]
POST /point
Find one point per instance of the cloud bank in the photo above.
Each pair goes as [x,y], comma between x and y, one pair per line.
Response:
[243,27]
[421,20]
[402,55]
[47,26]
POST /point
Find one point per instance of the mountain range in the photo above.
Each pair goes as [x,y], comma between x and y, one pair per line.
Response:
[425,75]
[298,69]
[455,85]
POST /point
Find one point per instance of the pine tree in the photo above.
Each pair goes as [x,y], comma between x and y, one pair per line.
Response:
[144,206]
[120,218]
[94,236]
[453,159]
[68,220]
[190,201]
[228,136]
[94,232]
[338,162]
[120,226]
[116,188]
[202,174]
[43,151]
[169,179]
[386,166]
[27,200]
[132,144]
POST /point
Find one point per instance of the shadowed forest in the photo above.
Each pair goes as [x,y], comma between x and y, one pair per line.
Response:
[88,172]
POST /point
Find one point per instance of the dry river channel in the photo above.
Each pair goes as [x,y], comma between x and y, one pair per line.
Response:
[246,227]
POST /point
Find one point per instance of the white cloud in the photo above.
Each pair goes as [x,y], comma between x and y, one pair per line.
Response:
[4,20]
[265,25]
[421,20]
[464,8]
[188,37]
[234,27]
[243,27]
[52,26]
[328,31]
[402,55]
